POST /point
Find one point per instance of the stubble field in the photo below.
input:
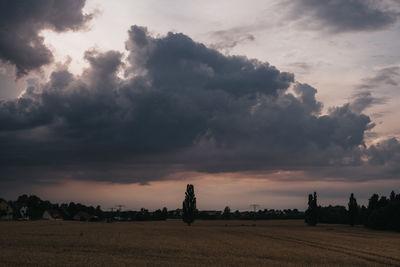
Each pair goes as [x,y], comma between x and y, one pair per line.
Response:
[215,243]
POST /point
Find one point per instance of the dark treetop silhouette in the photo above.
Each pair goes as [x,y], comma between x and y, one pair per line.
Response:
[382,213]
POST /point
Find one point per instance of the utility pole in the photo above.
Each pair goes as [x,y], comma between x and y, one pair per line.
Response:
[110,219]
[119,210]
[255,207]
[119,207]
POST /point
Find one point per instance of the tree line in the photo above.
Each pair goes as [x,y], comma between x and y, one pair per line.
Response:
[35,208]
[382,213]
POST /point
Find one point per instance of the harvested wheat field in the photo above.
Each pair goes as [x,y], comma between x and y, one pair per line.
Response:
[216,243]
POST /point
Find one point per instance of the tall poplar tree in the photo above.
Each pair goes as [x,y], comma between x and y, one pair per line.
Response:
[311,215]
[189,205]
[353,210]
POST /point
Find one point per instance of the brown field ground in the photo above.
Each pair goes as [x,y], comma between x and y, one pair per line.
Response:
[212,243]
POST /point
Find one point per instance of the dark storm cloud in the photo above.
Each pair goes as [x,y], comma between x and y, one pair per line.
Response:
[384,153]
[382,162]
[181,107]
[175,62]
[21,23]
[307,97]
[344,15]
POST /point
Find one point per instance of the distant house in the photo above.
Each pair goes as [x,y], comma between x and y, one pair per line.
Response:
[215,213]
[23,211]
[245,213]
[6,211]
[178,212]
[52,215]
[82,216]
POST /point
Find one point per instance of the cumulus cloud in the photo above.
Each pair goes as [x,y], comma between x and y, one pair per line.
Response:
[343,15]
[21,23]
[181,107]
[385,153]
[381,162]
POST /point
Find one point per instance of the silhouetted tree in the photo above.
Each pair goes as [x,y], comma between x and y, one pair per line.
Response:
[373,202]
[363,215]
[189,205]
[227,213]
[392,196]
[333,214]
[383,202]
[393,212]
[384,213]
[311,214]
[164,213]
[353,210]
[2,212]
[144,214]
[308,211]
[237,214]
[157,215]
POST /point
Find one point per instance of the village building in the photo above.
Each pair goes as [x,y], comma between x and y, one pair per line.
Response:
[177,212]
[82,216]
[23,211]
[51,215]
[6,211]
[213,213]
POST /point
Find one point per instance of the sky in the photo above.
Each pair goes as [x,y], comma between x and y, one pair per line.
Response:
[126,102]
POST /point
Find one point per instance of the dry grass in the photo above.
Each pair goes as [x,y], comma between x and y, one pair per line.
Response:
[216,243]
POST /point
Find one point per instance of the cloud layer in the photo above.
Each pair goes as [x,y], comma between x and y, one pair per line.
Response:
[21,23]
[344,15]
[182,107]
[389,76]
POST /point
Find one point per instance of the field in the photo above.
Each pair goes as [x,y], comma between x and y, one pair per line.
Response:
[216,243]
